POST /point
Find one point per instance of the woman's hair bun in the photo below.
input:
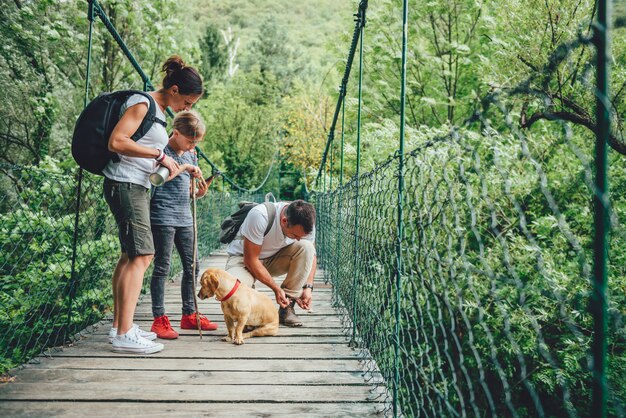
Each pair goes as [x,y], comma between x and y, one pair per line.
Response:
[172,65]
[180,74]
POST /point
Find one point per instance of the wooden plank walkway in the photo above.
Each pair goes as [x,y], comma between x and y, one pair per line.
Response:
[303,372]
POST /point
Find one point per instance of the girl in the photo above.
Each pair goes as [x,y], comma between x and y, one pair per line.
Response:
[127,192]
[172,224]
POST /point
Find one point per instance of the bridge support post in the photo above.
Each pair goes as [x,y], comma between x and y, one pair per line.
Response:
[598,303]
[400,225]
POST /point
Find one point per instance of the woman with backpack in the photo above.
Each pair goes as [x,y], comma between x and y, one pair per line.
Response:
[127,192]
[172,225]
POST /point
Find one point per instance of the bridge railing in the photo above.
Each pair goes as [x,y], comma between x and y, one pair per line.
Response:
[40,305]
[467,268]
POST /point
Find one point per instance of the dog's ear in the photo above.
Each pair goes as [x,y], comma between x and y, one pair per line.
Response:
[208,283]
[214,280]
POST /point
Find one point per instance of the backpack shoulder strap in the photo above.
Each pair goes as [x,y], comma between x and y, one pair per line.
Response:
[271,215]
[150,117]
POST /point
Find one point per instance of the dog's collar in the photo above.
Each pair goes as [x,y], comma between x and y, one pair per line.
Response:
[232,291]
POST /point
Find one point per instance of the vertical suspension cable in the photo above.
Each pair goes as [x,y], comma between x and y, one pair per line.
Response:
[332,161]
[324,206]
[90,16]
[400,226]
[324,179]
[358,166]
[340,202]
[329,216]
[601,203]
[79,180]
[343,116]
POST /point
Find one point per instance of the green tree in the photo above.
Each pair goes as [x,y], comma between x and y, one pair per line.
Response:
[242,126]
[43,65]
[547,65]
[307,117]
[464,54]
[152,30]
[274,54]
[214,55]
[29,74]
[444,50]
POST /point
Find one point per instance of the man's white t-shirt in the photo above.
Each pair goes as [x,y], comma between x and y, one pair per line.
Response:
[254,227]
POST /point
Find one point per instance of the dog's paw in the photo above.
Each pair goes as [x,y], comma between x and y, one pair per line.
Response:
[227,339]
[238,341]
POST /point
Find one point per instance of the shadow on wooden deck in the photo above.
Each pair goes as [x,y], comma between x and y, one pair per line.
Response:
[301,372]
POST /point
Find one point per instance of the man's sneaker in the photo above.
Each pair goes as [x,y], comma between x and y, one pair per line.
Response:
[287,316]
[145,334]
[132,343]
[189,322]
[163,329]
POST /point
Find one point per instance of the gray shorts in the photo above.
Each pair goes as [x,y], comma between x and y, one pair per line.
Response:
[130,205]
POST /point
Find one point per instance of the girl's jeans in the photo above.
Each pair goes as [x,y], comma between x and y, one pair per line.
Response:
[165,237]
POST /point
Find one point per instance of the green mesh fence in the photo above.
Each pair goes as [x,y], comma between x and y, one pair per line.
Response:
[496,255]
[39,305]
[495,314]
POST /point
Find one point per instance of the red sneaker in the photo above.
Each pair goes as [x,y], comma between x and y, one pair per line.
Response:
[189,322]
[163,329]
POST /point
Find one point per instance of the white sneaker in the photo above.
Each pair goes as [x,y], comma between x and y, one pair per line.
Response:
[131,342]
[148,335]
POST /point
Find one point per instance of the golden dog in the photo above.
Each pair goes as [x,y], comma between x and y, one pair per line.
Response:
[241,306]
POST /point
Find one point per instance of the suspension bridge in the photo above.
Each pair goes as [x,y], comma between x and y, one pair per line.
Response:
[467,276]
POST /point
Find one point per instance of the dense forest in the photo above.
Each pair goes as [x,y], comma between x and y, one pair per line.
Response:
[274,67]
[264,65]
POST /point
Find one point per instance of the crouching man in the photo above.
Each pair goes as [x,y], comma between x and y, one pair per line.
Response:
[287,247]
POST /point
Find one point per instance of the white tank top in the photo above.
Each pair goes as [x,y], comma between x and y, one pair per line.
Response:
[134,169]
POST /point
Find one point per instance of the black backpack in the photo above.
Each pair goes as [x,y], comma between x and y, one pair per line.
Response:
[232,223]
[90,142]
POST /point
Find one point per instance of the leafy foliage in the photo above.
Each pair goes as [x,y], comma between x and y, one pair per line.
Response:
[214,56]
[305,132]
[496,253]
[43,64]
[41,303]
[242,119]
[39,297]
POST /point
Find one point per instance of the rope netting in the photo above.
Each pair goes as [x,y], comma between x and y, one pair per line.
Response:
[464,269]
[40,304]
[497,257]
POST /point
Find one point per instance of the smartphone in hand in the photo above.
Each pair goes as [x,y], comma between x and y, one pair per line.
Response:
[212,177]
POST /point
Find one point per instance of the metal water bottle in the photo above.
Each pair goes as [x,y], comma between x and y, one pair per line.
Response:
[160,176]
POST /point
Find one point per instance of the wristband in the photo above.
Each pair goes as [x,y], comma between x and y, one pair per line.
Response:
[308,286]
[159,158]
